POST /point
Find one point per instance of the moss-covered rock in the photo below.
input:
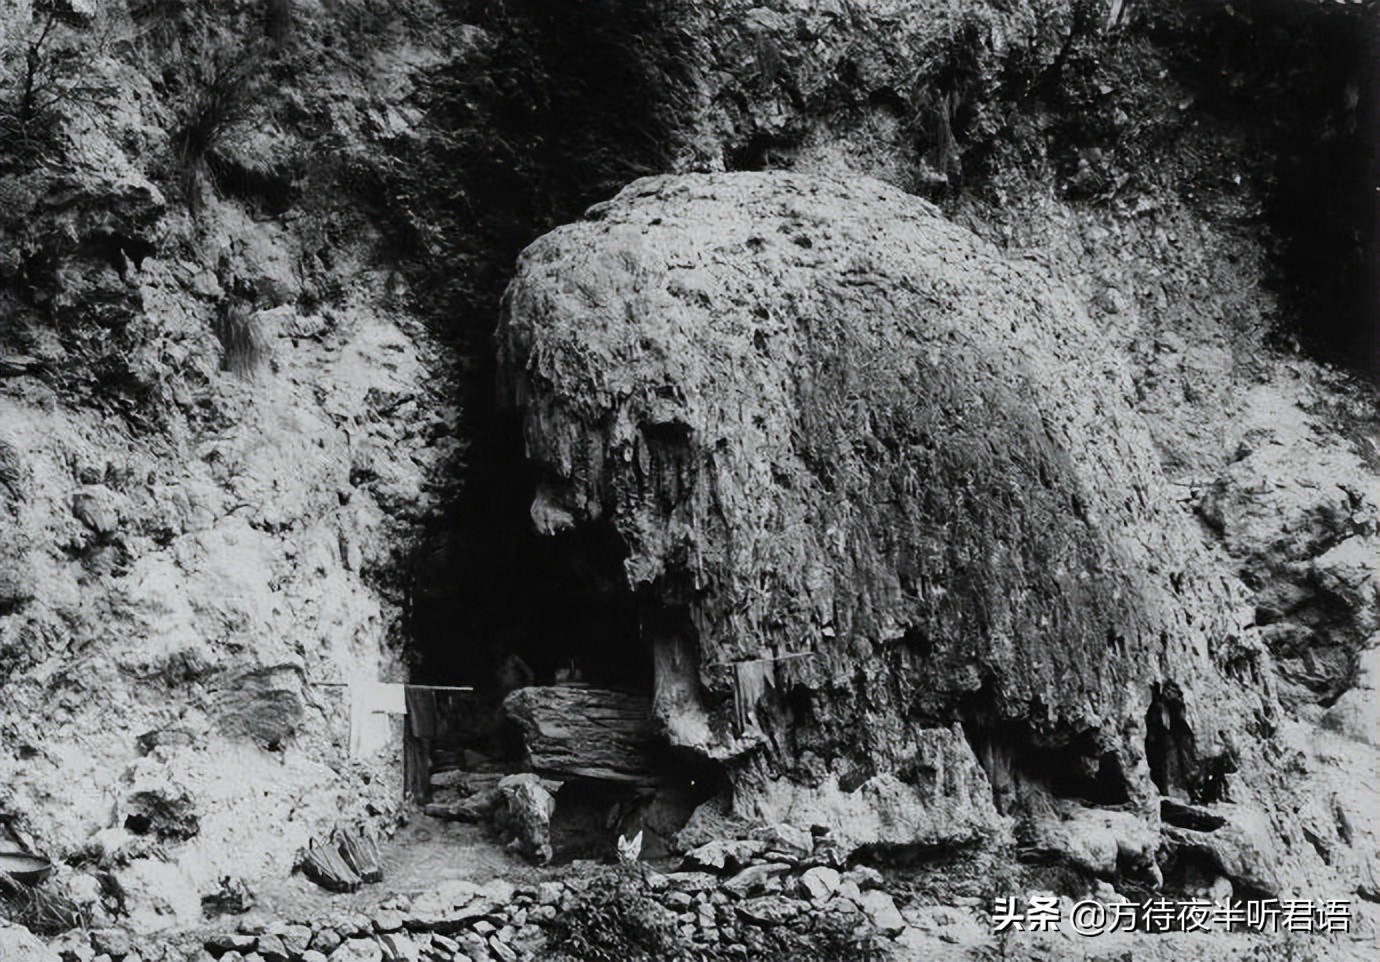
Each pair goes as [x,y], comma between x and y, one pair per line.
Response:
[885,481]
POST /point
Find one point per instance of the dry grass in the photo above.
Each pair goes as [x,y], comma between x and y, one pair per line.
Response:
[243,344]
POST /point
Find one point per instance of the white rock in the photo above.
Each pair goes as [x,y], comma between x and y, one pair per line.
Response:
[819,883]
[881,909]
[17,942]
[358,950]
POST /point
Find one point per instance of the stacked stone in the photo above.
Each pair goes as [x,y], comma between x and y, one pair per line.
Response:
[783,876]
[725,893]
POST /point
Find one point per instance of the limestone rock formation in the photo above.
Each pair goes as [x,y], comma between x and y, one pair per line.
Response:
[191,539]
[584,732]
[877,480]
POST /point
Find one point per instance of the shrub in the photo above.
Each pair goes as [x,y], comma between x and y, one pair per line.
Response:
[43,71]
[615,919]
[243,345]
[219,103]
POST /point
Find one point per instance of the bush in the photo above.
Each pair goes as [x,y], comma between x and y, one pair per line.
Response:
[615,919]
[43,71]
[242,341]
[220,102]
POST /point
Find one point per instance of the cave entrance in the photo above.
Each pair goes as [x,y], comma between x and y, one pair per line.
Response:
[557,612]
[1169,743]
[552,618]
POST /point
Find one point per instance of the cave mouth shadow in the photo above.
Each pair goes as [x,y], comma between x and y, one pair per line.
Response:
[1305,78]
[496,605]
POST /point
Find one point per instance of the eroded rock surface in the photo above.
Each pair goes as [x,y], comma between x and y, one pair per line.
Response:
[876,480]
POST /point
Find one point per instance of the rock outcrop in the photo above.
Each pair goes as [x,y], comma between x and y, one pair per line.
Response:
[888,493]
[214,450]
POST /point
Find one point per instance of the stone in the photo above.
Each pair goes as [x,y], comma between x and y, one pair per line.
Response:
[786,838]
[526,814]
[819,883]
[398,947]
[74,946]
[272,949]
[84,888]
[792,351]
[768,910]
[117,942]
[848,889]
[499,890]
[1241,847]
[387,921]
[549,893]
[502,949]
[692,881]
[757,878]
[311,955]
[725,855]
[357,950]
[881,910]
[296,938]
[585,732]
[96,506]
[325,940]
[354,923]
[476,808]
[17,942]
[865,876]
[678,900]
[473,945]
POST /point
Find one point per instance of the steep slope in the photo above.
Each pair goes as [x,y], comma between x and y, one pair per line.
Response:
[221,431]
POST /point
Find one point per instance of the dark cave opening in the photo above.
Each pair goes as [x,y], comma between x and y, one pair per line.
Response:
[527,608]
[1306,79]
[1019,762]
[549,610]
[1171,752]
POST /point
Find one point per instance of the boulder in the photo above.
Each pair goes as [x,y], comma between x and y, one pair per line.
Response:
[757,878]
[526,814]
[768,910]
[585,732]
[272,949]
[897,487]
[881,911]
[819,883]
[357,950]
[17,942]
[725,855]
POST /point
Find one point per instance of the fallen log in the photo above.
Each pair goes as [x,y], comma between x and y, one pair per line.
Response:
[585,732]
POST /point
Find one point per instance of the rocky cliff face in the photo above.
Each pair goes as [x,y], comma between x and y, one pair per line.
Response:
[216,452]
[1013,518]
